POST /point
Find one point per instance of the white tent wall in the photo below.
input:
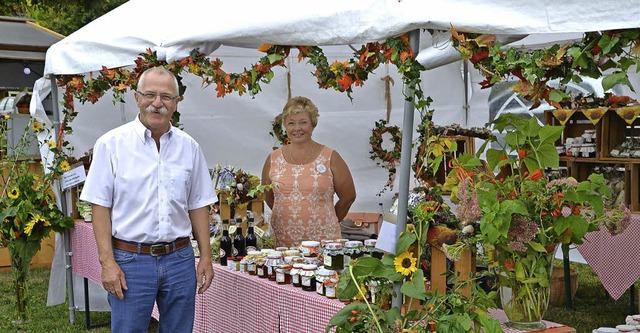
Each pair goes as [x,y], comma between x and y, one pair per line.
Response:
[234,130]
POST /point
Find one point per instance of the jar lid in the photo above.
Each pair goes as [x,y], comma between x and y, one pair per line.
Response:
[281,248]
[292,253]
[625,328]
[274,255]
[266,251]
[307,267]
[353,244]
[341,240]
[370,242]
[298,265]
[333,246]
[254,253]
[289,259]
[310,243]
[606,330]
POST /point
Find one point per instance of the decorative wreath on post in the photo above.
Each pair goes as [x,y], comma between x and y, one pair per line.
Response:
[278,132]
[387,159]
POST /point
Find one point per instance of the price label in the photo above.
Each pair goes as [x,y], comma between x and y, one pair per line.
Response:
[232,229]
[259,232]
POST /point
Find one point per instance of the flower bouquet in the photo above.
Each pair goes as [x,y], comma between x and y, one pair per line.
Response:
[28,209]
[425,310]
[525,214]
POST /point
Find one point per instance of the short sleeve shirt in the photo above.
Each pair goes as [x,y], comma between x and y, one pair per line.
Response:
[149,191]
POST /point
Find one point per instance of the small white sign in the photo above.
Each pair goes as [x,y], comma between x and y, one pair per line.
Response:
[73,177]
[387,238]
[259,232]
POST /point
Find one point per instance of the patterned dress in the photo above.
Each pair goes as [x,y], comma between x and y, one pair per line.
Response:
[303,207]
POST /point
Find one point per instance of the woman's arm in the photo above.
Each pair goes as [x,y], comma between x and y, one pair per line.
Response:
[264,180]
[343,185]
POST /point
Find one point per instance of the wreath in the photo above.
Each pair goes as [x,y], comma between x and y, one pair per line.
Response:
[387,159]
[278,132]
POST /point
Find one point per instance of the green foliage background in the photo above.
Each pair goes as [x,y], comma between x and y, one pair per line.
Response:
[61,16]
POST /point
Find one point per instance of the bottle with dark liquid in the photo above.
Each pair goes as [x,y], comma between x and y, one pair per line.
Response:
[225,243]
[239,247]
[251,241]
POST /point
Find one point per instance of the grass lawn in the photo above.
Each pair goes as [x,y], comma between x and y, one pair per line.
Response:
[593,307]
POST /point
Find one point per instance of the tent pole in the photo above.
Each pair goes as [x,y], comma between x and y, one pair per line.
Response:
[405,162]
[66,236]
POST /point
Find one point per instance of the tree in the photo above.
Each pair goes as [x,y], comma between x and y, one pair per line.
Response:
[62,16]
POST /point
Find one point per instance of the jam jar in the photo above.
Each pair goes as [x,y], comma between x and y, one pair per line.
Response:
[295,274]
[251,261]
[307,277]
[274,258]
[352,250]
[261,267]
[333,256]
[322,277]
[282,274]
[370,248]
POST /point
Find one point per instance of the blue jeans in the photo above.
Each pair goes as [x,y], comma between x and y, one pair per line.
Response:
[169,280]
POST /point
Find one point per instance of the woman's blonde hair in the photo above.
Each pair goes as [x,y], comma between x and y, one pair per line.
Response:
[300,104]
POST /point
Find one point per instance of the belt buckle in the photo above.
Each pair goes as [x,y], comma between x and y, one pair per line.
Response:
[162,249]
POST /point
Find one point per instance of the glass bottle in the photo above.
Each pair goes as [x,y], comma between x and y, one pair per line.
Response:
[251,241]
[225,243]
[239,247]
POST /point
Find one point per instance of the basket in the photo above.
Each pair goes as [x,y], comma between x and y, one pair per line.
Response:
[557,297]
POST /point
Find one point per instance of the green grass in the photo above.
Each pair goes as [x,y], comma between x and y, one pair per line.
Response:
[593,307]
[46,318]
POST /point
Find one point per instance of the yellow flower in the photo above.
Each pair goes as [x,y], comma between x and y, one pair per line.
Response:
[51,144]
[65,166]
[13,193]
[6,116]
[28,228]
[36,126]
[405,263]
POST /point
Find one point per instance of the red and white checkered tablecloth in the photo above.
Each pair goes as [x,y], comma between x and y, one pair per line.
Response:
[238,302]
[235,303]
[614,258]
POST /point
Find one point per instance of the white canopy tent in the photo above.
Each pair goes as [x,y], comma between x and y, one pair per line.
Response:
[234,130]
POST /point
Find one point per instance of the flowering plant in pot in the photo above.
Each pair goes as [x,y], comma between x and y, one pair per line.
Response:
[28,209]
[525,213]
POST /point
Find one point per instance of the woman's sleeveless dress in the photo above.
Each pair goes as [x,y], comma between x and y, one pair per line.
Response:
[303,206]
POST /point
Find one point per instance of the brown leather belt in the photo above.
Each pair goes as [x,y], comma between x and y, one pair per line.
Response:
[157,249]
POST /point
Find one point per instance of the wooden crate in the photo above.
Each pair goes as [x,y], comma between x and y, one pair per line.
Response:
[575,127]
[256,206]
[614,132]
[464,269]
[43,258]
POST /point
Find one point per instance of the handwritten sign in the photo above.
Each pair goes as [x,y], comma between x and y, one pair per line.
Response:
[73,177]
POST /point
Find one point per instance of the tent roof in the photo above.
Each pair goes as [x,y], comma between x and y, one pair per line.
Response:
[173,29]
[22,39]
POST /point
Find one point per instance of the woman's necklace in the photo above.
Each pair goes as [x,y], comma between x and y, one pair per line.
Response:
[295,162]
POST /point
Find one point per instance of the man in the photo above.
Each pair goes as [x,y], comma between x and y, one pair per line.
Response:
[150,188]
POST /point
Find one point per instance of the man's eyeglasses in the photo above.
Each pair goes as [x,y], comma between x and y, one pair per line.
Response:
[152,97]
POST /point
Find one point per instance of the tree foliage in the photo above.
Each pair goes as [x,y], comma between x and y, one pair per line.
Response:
[62,16]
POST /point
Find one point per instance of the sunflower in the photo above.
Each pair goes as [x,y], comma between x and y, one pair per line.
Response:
[64,165]
[13,193]
[51,144]
[37,219]
[36,126]
[405,263]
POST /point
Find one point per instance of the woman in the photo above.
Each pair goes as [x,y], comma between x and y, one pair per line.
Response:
[305,176]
